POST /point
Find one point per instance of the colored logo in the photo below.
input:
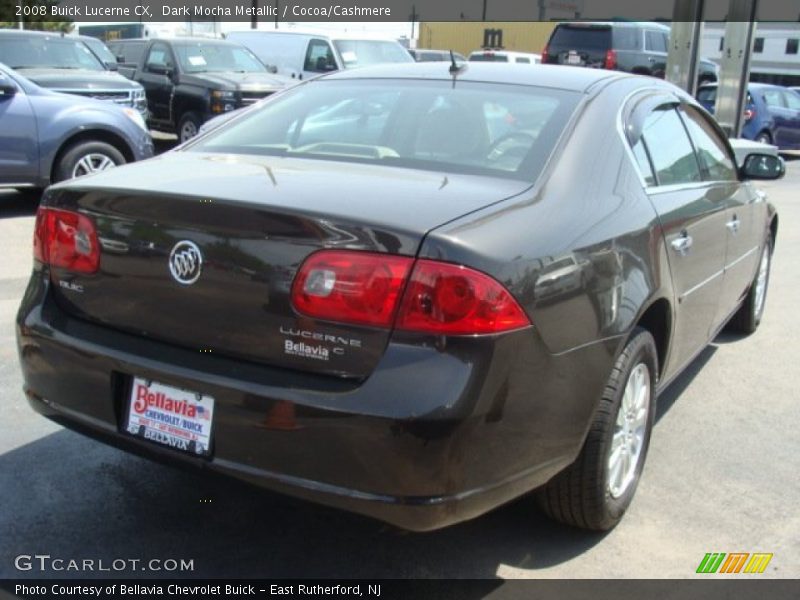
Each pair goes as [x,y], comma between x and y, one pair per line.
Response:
[735,562]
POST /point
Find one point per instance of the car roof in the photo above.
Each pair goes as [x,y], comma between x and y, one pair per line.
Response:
[751,86]
[316,34]
[27,33]
[620,24]
[549,76]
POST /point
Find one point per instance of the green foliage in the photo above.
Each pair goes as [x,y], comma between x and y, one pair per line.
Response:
[9,20]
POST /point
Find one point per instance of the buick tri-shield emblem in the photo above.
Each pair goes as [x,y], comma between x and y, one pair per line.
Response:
[185,262]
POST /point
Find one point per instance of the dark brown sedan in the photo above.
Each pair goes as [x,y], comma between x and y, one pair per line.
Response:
[412,292]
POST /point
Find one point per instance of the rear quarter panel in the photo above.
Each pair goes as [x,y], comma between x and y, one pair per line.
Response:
[583,253]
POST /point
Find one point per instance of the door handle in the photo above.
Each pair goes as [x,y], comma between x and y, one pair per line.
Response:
[733,225]
[682,244]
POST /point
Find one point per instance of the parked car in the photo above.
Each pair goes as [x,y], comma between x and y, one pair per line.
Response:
[634,47]
[189,81]
[304,55]
[66,64]
[504,56]
[47,137]
[429,55]
[347,310]
[771,113]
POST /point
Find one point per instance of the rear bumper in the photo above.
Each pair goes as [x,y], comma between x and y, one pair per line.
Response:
[433,437]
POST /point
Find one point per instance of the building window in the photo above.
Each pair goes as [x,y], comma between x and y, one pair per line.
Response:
[791,46]
[721,43]
[758,45]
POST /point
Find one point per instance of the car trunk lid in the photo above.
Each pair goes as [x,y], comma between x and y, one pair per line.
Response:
[253,220]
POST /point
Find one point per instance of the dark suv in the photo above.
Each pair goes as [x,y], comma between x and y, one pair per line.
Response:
[638,47]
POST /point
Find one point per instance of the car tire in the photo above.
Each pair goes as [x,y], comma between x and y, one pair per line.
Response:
[188,126]
[596,490]
[765,137]
[84,158]
[748,317]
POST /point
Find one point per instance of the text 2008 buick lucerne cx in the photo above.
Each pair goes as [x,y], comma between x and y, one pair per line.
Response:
[414,292]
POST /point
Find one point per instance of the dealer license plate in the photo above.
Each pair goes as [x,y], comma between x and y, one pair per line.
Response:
[170,416]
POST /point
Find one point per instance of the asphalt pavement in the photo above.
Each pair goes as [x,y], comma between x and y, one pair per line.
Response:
[721,476]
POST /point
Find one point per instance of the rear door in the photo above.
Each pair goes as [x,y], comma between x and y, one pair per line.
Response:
[19,146]
[692,215]
[745,210]
[773,97]
[579,44]
[792,102]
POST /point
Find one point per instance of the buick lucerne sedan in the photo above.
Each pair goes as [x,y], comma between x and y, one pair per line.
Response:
[414,292]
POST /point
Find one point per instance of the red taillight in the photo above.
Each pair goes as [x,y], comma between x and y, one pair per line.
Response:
[611,60]
[448,299]
[749,113]
[350,287]
[363,288]
[545,55]
[67,240]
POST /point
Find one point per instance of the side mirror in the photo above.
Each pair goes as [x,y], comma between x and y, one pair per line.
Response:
[7,87]
[111,65]
[160,69]
[762,166]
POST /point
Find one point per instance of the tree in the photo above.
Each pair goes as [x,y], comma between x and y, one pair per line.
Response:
[9,18]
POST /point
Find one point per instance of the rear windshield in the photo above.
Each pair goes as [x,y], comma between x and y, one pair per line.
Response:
[577,37]
[474,128]
[47,53]
[488,57]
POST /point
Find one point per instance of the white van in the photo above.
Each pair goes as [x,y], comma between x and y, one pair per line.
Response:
[505,56]
[303,55]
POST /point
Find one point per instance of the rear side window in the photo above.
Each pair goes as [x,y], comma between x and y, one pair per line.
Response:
[792,99]
[497,130]
[773,98]
[712,153]
[670,150]
[645,168]
[579,37]
[523,60]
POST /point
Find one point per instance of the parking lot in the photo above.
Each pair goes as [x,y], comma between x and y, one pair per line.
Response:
[721,476]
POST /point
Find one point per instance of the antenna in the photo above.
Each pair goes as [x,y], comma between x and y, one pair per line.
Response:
[454,68]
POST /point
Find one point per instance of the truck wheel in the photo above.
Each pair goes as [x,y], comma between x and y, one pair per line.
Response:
[748,317]
[85,158]
[188,126]
[594,492]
